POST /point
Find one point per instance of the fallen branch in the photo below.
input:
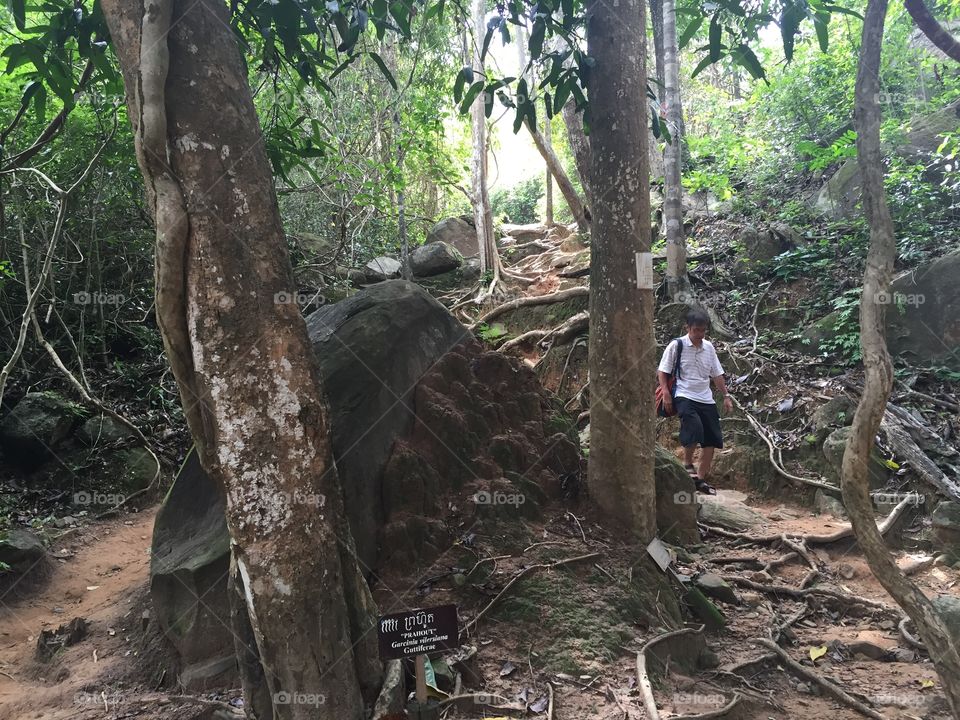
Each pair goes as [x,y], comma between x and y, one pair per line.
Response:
[519,576]
[831,689]
[530,301]
[646,690]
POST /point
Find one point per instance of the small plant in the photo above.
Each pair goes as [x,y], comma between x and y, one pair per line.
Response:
[491,333]
[844,340]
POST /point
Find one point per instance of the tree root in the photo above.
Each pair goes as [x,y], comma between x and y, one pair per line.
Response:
[530,301]
[831,689]
[845,598]
[911,639]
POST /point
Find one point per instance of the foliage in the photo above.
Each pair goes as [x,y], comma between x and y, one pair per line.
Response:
[518,204]
[844,338]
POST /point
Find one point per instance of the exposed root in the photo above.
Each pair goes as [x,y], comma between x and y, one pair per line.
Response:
[530,301]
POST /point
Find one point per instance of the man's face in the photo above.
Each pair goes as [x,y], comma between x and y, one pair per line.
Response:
[697,333]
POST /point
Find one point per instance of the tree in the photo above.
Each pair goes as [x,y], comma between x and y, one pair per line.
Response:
[622,345]
[482,214]
[241,356]
[678,284]
[943,646]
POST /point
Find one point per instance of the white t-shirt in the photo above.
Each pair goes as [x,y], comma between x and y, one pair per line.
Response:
[697,366]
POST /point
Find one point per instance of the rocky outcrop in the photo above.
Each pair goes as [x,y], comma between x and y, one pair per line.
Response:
[833,448]
[21,550]
[946,528]
[36,426]
[382,268]
[676,500]
[840,195]
[459,232]
[434,258]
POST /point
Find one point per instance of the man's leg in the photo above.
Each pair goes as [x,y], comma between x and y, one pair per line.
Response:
[691,430]
[688,455]
[706,462]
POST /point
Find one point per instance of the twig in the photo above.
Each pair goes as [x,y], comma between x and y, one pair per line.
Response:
[550,702]
[833,690]
[643,682]
[520,575]
[577,521]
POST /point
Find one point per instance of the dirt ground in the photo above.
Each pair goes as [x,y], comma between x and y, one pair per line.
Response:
[576,627]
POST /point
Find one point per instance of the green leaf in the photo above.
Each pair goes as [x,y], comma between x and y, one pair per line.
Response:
[492,25]
[821,22]
[384,69]
[561,93]
[463,77]
[844,11]
[703,65]
[435,10]
[715,36]
[654,122]
[471,96]
[690,31]
[19,10]
[536,38]
[745,56]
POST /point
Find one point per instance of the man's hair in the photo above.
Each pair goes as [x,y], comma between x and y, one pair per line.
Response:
[697,318]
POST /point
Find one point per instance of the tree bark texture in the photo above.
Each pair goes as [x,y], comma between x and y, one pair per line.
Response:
[482,213]
[622,346]
[241,356]
[878,367]
[678,285]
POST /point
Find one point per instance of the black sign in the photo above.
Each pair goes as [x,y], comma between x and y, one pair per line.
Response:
[418,632]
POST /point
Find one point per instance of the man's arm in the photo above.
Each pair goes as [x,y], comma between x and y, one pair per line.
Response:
[721,384]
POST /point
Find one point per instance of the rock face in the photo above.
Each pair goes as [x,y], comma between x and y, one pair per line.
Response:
[21,550]
[422,419]
[190,559]
[458,232]
[382,268]
[676,500]
[839,196]
[434,258]
[833,449]
[36,426]
[102,430]
[946,528]
[923,320]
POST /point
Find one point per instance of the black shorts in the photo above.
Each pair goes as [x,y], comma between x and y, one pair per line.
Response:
[699,423]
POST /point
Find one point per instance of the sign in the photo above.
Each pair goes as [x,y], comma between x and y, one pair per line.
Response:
[418,632]
[645,271]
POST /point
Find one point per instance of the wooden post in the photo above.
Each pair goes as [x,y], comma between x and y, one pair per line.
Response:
[421,679]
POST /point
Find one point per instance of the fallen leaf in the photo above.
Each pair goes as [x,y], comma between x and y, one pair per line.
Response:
[818,652]
[541,704]
[93,587]
[507,668]
[924,684]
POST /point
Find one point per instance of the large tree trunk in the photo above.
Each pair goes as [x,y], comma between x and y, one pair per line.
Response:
[878,367]
[678,284]
[580,146]
[482,213]
[656,22]
[241,356]
[548,179]
[555,168]
[622,345]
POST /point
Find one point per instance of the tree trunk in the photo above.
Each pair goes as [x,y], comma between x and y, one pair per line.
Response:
[929,26]
[239,351]
[405,269]
[656,20]
[554,167]
[622,345]
[678,284]
[580,146]
[548,180]
[482,213]
[943,647]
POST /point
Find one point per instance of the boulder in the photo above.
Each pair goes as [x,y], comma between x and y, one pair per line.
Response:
[835,413]
[923,320]
[21,550]
[732,516]
[525,233]
[434,258]
[714,586]
[833,448]
[190,560]
[36,426]
[459,232]
[946,528]
[102,430]
[839,196]
[762,245]
[826,504]
[382,268]
[470,270]
[676,500]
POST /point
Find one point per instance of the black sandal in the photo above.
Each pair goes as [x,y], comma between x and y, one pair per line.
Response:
[704,487]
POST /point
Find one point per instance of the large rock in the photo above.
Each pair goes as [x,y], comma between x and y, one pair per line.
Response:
[459,232]
[923,320]
[189,562]
[36,426]
[382,268]
[840,195]
[422,418]
[948,607]
[102,430]
[833,448]
[434,258]
[676,500]
[21,550]
[946,527]
[715,510]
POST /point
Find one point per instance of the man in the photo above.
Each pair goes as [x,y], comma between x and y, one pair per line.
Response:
[699,419]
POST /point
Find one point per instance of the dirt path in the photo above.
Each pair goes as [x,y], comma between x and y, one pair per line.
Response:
[96,573]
